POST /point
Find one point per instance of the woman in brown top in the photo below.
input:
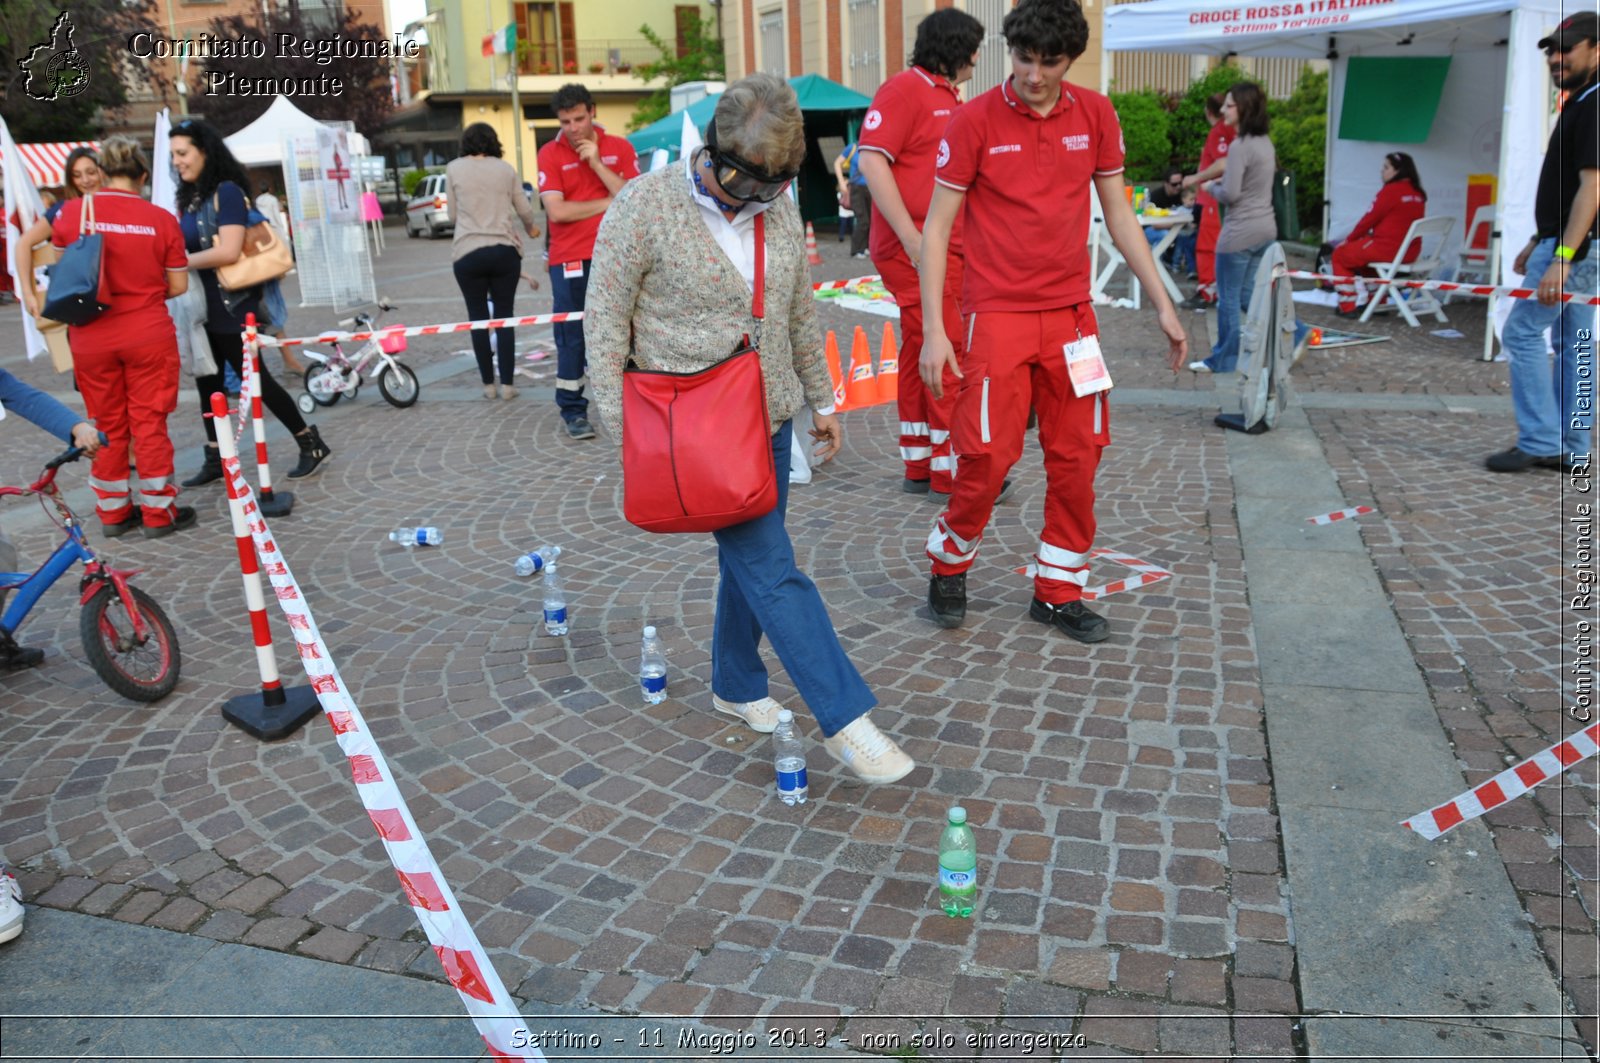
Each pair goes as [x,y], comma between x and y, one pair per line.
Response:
[484,194]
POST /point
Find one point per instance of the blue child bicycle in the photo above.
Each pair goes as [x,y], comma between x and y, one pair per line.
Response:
[129,641]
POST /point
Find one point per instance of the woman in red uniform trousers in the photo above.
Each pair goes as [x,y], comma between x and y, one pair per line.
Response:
[1213,158]
[127,358]
[1382,229]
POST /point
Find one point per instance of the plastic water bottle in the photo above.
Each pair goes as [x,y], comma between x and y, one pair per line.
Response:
[533,564]
[555,602]
[789,757]
[415,536]
[958,866]
[652,668]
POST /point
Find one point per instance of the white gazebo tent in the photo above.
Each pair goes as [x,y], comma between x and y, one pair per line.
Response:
[261,142]
[1494,114]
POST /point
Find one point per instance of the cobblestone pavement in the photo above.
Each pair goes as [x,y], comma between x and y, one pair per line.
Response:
[630,857]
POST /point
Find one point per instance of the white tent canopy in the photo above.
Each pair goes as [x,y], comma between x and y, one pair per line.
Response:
[261,142]
[1494,115]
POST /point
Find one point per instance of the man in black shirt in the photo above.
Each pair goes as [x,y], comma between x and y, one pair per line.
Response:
[1555,407]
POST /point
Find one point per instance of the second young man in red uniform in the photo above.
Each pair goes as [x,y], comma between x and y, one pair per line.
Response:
[899,144]
[580,172]
[1020,160]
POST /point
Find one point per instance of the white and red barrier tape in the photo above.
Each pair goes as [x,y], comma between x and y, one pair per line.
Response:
[1340,514]
[1147,574]
[1448,286]
[1509,784]
[492,323]
[454,942]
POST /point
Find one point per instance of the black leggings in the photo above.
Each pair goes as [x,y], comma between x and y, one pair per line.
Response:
[229,347]
[491,273]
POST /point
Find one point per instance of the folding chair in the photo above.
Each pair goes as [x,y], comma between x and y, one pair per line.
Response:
[1431,234]
[1472,263]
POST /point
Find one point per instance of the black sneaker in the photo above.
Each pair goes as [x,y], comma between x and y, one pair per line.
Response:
[1072,619]
[1005,493]
[914,487]
[580,428]
[1518,460]
[122,527]
[182,517]
[947,597]
[13,657]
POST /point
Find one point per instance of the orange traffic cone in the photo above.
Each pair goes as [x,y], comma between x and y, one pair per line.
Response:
[811,247]
[888,368]
[831,356]
[859,387]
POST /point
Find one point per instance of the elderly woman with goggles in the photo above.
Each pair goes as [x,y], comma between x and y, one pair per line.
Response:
[671,290]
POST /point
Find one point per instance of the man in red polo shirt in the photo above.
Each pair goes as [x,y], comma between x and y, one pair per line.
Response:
[899,143]
[579,173]
[1020,158]
[1213,157]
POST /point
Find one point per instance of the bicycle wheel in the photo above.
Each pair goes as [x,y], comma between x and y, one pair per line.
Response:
[322,384]
[140,670]
[399,385]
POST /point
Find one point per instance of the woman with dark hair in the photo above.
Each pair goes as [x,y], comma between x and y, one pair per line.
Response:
[1250,226]
[213,213]
[79,176]
[675,266]
[1382,229]
[899,149]
[1213,159]
[127,358]
[485,202]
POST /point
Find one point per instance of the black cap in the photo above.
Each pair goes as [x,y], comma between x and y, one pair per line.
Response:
[1585,25]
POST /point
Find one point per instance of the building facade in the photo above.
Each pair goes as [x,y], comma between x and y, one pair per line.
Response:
[595,42]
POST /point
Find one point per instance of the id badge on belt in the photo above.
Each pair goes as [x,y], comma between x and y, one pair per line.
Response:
[570,270]
[1086,366]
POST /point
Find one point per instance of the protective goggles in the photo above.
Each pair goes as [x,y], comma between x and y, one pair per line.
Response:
[741,180]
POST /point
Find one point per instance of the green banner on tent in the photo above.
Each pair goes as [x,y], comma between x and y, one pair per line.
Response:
[1392,100]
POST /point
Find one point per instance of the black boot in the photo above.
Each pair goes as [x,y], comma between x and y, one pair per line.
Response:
[313,452]
[211,470]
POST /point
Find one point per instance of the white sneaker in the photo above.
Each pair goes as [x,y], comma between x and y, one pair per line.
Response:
[868,752]
[1199,367]
[11,911]
[760,715]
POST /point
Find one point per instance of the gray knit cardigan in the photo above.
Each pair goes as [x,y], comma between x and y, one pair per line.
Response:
[662,291]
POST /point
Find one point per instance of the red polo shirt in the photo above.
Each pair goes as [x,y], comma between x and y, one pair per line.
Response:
[908,117]
[1216,147]
[140,244]
[563,173]
[1026,178]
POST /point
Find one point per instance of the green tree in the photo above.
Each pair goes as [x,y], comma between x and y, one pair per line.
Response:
[1299,132]
[702,60]
[1189,126]
[1145,120]
[98,43]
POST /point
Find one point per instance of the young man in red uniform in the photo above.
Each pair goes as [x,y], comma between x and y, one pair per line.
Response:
[1020,159]
[1213,157]
[899,143]
[579,173]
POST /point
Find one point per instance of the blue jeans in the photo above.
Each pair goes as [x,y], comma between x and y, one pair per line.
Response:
[567,294]
[1546,401]
[761,591]
[1180,255]
[1236,278]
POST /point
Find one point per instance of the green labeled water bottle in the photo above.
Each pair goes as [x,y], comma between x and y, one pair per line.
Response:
[958,866]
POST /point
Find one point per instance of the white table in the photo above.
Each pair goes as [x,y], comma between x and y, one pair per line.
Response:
[1172,224]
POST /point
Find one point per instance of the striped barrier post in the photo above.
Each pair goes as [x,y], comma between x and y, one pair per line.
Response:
[273,712]
[272,505]
[461,955]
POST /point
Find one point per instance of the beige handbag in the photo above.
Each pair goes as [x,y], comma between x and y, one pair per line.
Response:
[264,258]
[54,332]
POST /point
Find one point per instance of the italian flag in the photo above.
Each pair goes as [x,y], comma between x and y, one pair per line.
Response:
[501,41]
